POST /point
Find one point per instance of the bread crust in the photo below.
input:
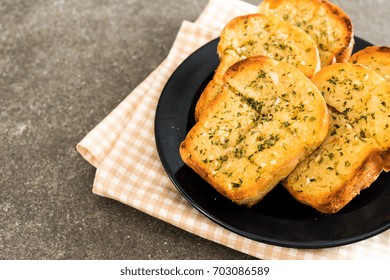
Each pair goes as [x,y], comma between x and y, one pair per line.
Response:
[386,160]
[343,53]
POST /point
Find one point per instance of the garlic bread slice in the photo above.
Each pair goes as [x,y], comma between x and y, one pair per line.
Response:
[268,117]
[357,146]
[259,34]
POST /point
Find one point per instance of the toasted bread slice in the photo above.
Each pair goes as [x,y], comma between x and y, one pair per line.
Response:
[258,34]
[357,146]
[375,57]
[268,117]
[328,25]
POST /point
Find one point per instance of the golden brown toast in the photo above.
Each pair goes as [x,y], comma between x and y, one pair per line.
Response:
[328,25]
[258,34]
[375,57]
[357,146]
[268,117]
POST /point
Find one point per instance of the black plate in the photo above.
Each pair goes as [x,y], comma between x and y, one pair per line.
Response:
[277,219]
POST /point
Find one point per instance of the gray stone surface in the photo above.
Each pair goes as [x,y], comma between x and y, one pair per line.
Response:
[64,65]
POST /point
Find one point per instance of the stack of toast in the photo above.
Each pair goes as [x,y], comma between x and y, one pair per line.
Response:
[288,104]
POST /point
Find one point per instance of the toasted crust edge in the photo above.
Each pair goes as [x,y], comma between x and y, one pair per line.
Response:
[369,50]
[345,53]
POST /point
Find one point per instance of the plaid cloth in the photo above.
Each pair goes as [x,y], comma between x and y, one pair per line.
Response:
[122,148]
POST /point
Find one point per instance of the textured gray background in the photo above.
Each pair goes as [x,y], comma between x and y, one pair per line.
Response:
[64,65]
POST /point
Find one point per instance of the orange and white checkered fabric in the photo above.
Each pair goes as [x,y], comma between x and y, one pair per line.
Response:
[122,148]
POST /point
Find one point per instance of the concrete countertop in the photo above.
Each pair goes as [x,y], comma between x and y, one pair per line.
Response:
[64,65]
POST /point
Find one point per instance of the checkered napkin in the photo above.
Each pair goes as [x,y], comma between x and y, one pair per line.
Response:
[122,148]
